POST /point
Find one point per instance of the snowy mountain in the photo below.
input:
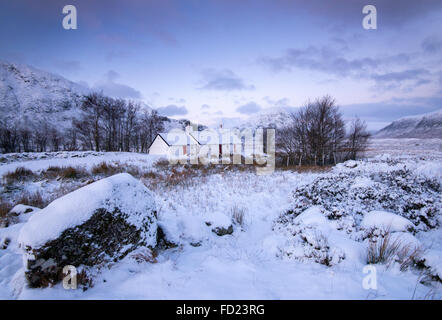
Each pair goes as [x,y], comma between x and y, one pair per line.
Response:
[268,118]
[427,125]
[29,95]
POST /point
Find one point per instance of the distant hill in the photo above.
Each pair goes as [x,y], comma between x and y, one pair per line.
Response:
[427,125]
[31,95]
[268,118]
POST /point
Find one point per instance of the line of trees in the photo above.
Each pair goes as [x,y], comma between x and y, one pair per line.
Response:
[104,124]
[317,135]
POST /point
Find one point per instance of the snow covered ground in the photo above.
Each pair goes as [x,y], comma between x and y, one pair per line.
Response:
[248,264]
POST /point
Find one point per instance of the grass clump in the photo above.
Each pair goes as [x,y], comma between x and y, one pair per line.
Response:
[18,175]
[386,250]
[105,169]
[238,215]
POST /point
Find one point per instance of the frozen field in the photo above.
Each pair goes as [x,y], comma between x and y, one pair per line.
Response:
[274,252]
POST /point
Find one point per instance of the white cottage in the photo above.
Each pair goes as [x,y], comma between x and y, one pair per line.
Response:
[182,142]
[220,142]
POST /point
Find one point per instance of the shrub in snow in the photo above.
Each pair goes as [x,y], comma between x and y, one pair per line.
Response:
[307,243]
[306,239]
[344,194]
[92,226]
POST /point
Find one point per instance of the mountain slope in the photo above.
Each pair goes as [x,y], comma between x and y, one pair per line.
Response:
[31,95]
[268,118]
[427,125]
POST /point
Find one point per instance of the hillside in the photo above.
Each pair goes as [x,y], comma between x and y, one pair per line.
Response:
[268,118]
[31,95]
[427,125]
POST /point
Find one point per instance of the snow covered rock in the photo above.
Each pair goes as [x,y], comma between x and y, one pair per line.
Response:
[387,221]
[94,225]
[312,215]
[221,224]
[350,164]
[19,214]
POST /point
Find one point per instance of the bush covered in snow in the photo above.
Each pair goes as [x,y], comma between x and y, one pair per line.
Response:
[307,243]
[365,203]
[307,239]
[347,197]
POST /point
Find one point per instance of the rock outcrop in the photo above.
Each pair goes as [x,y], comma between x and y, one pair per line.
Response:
[91,227]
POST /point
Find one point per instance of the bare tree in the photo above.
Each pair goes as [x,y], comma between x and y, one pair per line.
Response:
[315,133]
[92,108]
[41,136]
[8,137]
[358,138]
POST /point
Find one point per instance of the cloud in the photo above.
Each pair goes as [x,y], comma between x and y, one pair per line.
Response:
[392,80]
[432,45]
[280,103]
[205,106]
[223,80]
[249,108]
[328,60]
[392,109]
[172,110]
[67,65]
[400,76]
[111,88]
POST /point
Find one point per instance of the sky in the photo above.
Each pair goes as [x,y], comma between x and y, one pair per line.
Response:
[217,61]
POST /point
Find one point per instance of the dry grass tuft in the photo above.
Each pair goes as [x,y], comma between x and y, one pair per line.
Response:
[238,215]
[145,255]
[19,174]
[150,175]
[5,207]
[305,168]
[161,164]
[104,168]
[387,251]
[33,200]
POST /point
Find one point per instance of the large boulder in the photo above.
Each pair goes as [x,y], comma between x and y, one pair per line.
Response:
[92,226]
